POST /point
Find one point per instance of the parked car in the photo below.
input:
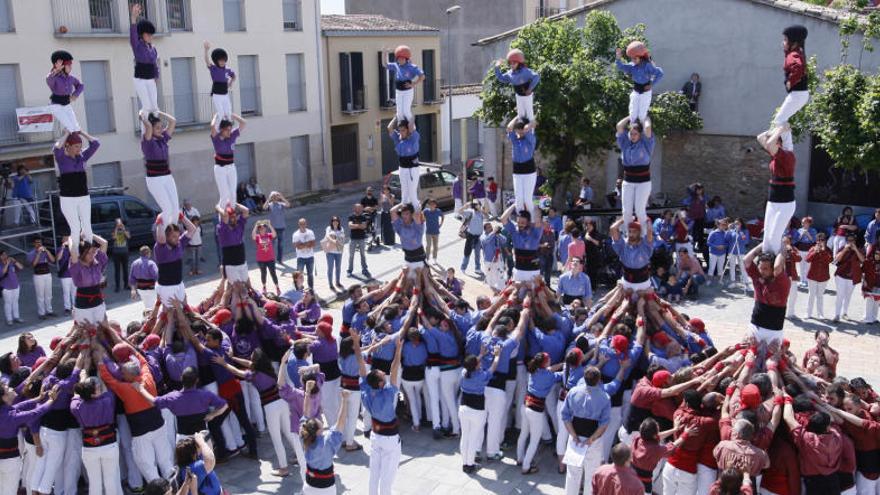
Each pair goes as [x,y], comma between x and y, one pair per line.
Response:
[434,182]
[475,168]
[108,204]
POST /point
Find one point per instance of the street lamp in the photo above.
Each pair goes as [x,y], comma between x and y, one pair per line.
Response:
[451,10]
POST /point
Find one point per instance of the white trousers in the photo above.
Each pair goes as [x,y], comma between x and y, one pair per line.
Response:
[524,191]
[236,273]
[792,299]
[403,100]
[815,296]
[43,292]
[232,434]
[384,460]
[550,407]
[164,192]
[496,274]
[330,400]
[60,463]
[102,467]
[310,490]
[844,288]
[634,198]
[777,216]
[10,304]
[449,381]
[409,186]
[29,460]
[127,465]
[734,262]
[864,486]
[473,422]
[222,106]
[432,383]
[496,412]
[803,266]
[152,454]
[278,424]
[166,293]
[90,315]
[562,435]
[639,103]
[226,178]
[705,477]
[147,94]
[10,471]
[678,482]
[837,242]
[792,103]
[529,436]
[765,335]
[354,405]
[574,475]
[414,391]
[22,205]
[522,384]
[68,292]
[607,440]
[870,310]
[170,428]
[253,406]
[65,116]
[525,107]
[716,265]
[148,297]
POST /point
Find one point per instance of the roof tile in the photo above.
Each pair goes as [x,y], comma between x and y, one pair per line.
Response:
[368,22]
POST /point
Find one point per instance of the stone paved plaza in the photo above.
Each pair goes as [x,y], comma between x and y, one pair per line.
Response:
[433,467]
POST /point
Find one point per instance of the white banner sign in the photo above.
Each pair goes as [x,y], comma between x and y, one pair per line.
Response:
[35,119]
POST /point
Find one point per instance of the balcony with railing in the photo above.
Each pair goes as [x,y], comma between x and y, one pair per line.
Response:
[548,11]
[354,100]
[11,137]
[192,111]
[81,18]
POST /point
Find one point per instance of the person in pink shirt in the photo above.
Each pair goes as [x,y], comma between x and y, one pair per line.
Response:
[264,236]
[576,247]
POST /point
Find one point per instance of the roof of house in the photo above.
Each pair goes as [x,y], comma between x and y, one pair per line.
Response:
[816,11]
[369,24]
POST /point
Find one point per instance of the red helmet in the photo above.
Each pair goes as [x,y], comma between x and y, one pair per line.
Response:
[516,55]
[637,49]
[403,51]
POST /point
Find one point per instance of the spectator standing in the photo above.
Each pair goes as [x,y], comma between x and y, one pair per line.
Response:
[478,192]
[697,214]
[275,205]
[585,197]
[433,221]
[195,246]
[142,278]
[304,242]
[849,261]
[737,248]
[692,91]
[332,244]
[546,252]
[472,228]
[843,226]
[264,236]
[9,268]
[819,258]
[804,240]
[189,210]
[715,210]
[23,195]
[119,254]
[40,259]
[492,248]
[357,227]
[717,244]
[871,233]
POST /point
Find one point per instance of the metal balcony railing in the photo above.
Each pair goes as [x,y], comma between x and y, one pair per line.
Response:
[354,100]
[105,17]
[189,109]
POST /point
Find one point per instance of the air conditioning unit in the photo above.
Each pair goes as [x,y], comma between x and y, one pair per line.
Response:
[291,25]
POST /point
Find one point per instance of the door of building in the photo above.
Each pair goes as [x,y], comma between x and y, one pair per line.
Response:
[344,151]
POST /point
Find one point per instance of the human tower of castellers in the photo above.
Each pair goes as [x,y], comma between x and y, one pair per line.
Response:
[156,404]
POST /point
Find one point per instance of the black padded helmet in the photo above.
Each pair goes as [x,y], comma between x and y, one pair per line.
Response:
[62,55]
[145,27]
[796,33]
[218,54]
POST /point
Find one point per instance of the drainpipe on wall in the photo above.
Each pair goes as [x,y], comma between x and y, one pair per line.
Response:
[317,19]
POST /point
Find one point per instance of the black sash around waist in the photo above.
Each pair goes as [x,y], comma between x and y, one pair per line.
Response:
[145,421]
[98,436]
[525,259]
[769,317]
[171,272]
[388,429]
[233,255]
[145,283]
[9,448]
[804,246]
[59,420]
[157,168]
[414,255]
[522,89]
[800,86]
[567,299]
[413,373]
[60,99]
[222,159]
[868,461]
[381,364]
[474,401]
[511,369]
[269,395]
[637,173]
[42,268]
[330,369]
[191,424]
[584,427]
[636,416]
[88,297]
[350,382]
[499,380]
[526,167]
[145,70]
[320,478]
[73,185]
[401,85]
[410,161]
[640,88]
[846,480]
[219,88]
[637,275]
[535,403]
[781,190]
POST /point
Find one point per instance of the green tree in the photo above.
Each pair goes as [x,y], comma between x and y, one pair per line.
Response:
[581,95]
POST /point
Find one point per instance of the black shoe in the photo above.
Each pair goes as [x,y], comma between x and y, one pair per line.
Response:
[367,434]
[51,314]
[437,433]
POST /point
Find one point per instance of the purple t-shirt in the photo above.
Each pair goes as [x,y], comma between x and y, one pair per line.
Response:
[88,276]
[68,164]
[225,146]
[189,402]
[144,53]
[221,74]
[62,84]
[324,351]
[10,280]
[231,235]
[176,363]
[30,358]
[99,411]
[156,149]
[260,380]
[166,253]
[295,401]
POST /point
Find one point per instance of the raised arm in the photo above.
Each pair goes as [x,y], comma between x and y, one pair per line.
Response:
[172,122]
[621,126]
[208,62]
[769,140]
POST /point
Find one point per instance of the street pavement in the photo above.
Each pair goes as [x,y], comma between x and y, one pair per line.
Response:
[434,467]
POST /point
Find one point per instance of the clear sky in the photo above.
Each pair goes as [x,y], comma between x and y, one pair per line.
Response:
[332,6]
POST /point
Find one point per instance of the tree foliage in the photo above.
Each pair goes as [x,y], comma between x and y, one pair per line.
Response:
[581,95]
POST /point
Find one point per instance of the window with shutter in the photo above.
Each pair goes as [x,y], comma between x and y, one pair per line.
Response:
[98,103]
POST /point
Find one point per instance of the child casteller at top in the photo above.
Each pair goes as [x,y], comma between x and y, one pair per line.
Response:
[795,67]
[523,81]
[644,75]
[406,75]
